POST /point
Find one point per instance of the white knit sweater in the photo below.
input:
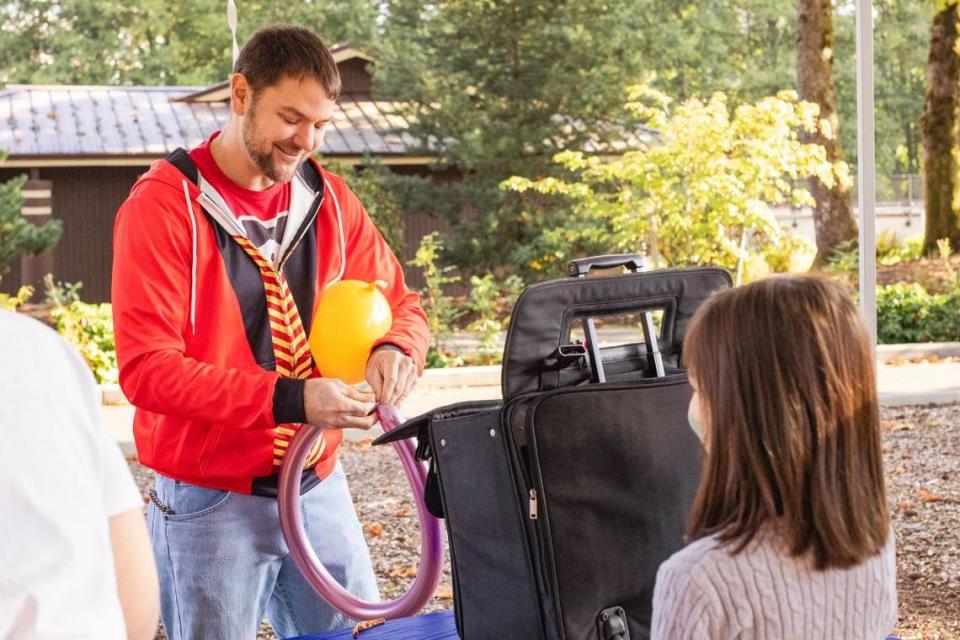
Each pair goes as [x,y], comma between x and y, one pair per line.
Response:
[763,593]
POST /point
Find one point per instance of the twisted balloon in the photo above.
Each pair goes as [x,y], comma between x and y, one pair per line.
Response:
[291,521]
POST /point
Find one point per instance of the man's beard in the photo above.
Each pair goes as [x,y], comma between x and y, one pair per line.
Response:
[264,160]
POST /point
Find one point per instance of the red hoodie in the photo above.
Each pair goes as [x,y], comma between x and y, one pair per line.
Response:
[192,334]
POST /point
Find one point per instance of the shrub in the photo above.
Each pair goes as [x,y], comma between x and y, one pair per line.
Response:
[13,302]
[703,194]
[88,327]
[906,312]
[492,302]
[440,308]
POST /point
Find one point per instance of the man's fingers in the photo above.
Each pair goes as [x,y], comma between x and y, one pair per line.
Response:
[356,422]
[360,395]
[351,407]
[408,380]
[374,380]
[390,379]
[409,387]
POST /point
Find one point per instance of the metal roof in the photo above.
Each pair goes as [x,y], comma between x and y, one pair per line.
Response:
[221,91]
[49,121]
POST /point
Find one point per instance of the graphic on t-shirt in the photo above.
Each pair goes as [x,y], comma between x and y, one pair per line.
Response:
[266,235]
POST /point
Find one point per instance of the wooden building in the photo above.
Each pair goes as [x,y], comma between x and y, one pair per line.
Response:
[83,147]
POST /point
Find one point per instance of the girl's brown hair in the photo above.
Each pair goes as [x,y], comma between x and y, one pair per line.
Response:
[784,368]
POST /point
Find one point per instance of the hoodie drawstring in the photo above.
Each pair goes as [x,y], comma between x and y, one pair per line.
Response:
[193,261]
[343,240]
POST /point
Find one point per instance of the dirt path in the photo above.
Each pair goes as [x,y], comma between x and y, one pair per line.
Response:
[922,455]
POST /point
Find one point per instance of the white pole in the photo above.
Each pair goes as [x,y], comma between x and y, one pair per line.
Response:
[866,167]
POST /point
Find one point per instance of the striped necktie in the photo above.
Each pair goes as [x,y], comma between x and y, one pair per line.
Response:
[290,347]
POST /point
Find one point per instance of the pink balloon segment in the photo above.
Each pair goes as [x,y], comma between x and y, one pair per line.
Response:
[291,520]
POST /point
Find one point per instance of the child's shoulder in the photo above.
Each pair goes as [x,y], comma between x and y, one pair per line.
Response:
[709,560]
[699,553]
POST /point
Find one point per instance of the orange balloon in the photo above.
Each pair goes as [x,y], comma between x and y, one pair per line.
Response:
[350,317]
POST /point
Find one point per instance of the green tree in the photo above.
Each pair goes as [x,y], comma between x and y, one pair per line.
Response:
[748,51]
[901,41]
[702,196]
[496,88]
[372,183]
[696,47]
[153,42]
[17,235]
[833,214]
[940,128]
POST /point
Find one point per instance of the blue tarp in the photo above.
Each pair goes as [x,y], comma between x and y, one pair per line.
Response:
[432,626]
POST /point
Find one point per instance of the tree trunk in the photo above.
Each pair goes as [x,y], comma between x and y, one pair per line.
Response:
[833,217]
[939,127]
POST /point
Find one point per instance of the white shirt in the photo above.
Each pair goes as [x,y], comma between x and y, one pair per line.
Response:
[61,478]
[763,593]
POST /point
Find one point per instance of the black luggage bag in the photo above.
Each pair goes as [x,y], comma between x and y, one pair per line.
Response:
[562,500]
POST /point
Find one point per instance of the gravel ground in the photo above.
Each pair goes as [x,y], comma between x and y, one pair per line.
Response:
[921,448]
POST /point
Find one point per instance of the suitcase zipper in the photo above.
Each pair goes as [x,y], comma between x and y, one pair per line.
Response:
[533,504]
[515,412]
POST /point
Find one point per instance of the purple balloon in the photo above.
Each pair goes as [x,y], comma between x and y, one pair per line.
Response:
[291,520]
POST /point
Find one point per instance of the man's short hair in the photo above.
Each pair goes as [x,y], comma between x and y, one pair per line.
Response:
[278,51]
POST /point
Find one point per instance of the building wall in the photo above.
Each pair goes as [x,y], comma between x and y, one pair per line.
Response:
[354,77]
[86,199]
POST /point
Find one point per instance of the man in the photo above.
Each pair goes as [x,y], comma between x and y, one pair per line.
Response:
[220,256]
[74,551]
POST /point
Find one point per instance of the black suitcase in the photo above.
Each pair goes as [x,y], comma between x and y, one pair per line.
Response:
[562,500]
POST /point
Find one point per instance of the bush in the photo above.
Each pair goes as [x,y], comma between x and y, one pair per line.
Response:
[491,302]
[440,308]
[703,194]
[13,302]
[909,313]
[485,312]
[88,327]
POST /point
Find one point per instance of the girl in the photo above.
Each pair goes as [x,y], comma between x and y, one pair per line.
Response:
[790,531]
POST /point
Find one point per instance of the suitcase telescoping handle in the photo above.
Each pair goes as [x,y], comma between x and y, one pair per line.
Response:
[582,266]
[634,262]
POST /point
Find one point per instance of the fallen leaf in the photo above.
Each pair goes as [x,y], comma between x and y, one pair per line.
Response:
[443,592]
[375,529]
[926,496]
[402,513]
[403,572]
[907,508]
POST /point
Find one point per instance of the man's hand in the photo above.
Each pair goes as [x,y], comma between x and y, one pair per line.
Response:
[331,403]
[392,375]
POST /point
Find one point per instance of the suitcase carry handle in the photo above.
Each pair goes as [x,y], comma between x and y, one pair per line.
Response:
[582,266]
[539,328]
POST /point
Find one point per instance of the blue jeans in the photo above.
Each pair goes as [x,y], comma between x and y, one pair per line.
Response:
[223,561]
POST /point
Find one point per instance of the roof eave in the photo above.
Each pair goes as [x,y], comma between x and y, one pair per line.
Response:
[14,161]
